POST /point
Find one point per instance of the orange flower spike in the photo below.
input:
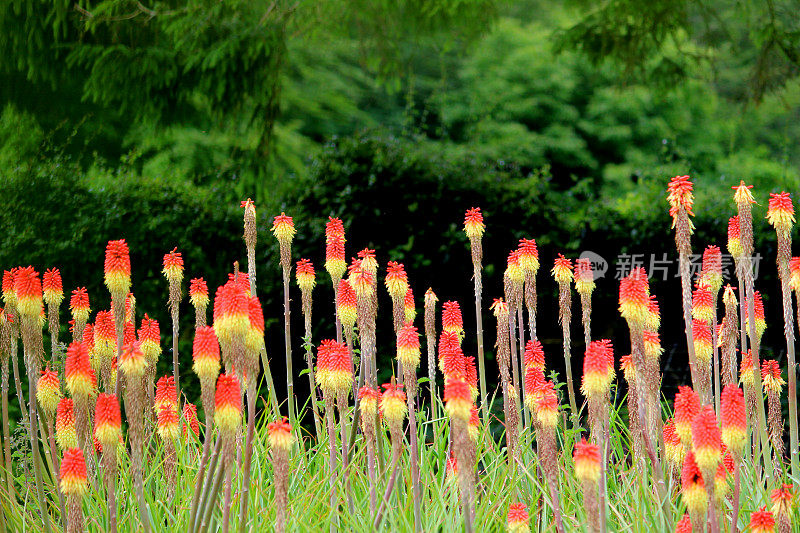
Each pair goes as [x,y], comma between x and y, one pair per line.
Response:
[51,286]
[283,228]
[586,456]
[674,450]
[347,303]
[458,399]
[702,303]
[254,340]
[305,275]
[471,375]
[334,258]
[452,362]
[173,266]
[743,194]
[150,338]
[279,435]
[782,501]
[584,277]
[781,212]
[707,440]
[473,223]
[771,376]
[680,196]
[334,368]
[514,269]
[228,405]
[190,417]
[168,426]
[78,371]
[74,481]
[596,369]
[205,353]
[684,525]
[758,305]
[687,405]
[118,268]
[107,420]
[693,488]
[66,434]
[703,341]
[409,309]
[133,361]
[393,406]
[528,255]
[517,520]
[48,391]
[473,427]
[562,270]
[747,374]
[79,304]
[408,352]
[198,293]
[369,399]
[165,393]
[28,292]
[634,299]
[534,355]
[762,521]
[452,321]
[711,272]
[9,296]
[546,405]
[534,378]
[734,420]
[735,237]
[396,279]
[794,274]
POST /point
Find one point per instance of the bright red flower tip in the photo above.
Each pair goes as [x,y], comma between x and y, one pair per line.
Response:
[228,404]
[78,371]
[165,393]
[562,269]
[517,519]
[452,321]
[279,434]
[283,228]
[458,399]
[707,439]
[8,285]
[107,420]
[762,521]
[733,418]
[396,279]
[393,406]
[28,292]
[687,405]
[634,298]
[173,266]
[528,255]
[198,292]
[79,303]
[680,195]
[51,286]
[514,271]
[205,352]
[597,376]
[305,275]
[408,351]
[48,391]
[684,525]
[334,368]
[473,223]
[118,268]
[334,230]
[73,473]
[534,354]
[771,375]
[586,456]
[782,500]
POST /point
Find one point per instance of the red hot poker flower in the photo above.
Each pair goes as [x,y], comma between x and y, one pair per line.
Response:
[596,369]
[534,355]
[48,391]
[452,321]
[279,435]
[393,406]
[173,266]
[458,399]
[190,417]
[107,420]
[334,368]
[711,273]
[79,304]
[782,500]
[707,440]
[781,211]
[305,275]
[687,405]
[702,303]
[28,292]
[165,393]
[794,274]
[634,299]
[51,285]
[73,476]
[528,255]
[228,404]
[684,525]
[735,237]
[693,488]
[408,352]
[562,270]
[762,521]
[409,309]
[347,303]
[205,352]
[771,376]
[473,223]
[517,520]
[587,461]
[584,277]
[66,435]
[396,280]
[198,292]
[283,228]
[743,194]
[78,371]
[734,421]
[118,268]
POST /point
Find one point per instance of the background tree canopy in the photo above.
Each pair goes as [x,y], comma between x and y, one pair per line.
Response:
[151,120]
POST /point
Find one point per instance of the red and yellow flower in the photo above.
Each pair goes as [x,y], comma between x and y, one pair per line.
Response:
[368,261]
[673,447]
[598,374]
[167,422]
[190,419]
[51,286]
[782,501]
[743,194]
[118,268]
[528,256]
[368,398]
[514,270]
[693,488]
[634,299]
[107,420]
[334,368]
[734,420]
[771,376]
[711,273]
[80,377]
[562,270]
[546,404]
[684,525]
[132,361]
[279,435]
[28,292]
[584,277]
[687,406]
[228,404]
[198,293]
[680,196]
[105,338]
[458,399]
[166,394]
[735,237]
[534,355]
[231,312]
[707,440]
[702,303]
[762,521]
[408,352]
[305,275]
[79,304]
[48,391]
[347,304]
[254,340]
[205,353]
[283,228]
[586,456]
[452,321]
[66,435]
[517,520]
[9,296]
[173,266]
[74,481]
[393,406]
[473,223]
[396,280]
[409,309]
[703,341]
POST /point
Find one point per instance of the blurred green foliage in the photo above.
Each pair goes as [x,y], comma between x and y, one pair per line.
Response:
[152,122]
